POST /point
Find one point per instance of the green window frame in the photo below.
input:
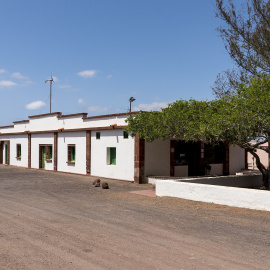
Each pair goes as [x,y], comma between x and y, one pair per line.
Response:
[19,151]
[111,155]
[97,135]
[125,134]
[71,153]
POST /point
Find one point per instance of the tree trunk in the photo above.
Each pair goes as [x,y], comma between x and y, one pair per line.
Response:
[265,172]
[265,181]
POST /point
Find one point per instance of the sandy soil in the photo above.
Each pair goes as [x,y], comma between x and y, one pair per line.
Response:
[60,221]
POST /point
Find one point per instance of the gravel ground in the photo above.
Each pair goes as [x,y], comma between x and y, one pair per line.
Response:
[51,220]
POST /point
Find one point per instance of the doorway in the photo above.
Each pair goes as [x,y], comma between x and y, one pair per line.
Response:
[42,156]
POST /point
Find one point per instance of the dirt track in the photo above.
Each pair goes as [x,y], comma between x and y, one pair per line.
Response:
[60,221]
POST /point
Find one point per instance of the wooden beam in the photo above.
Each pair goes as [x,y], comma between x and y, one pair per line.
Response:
[88,152]
[139,157]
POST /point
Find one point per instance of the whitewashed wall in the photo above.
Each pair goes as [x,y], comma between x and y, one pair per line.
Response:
[124,168]
[237,159]
[79,140]
[36,140]
[14,140]
[157,158]
[23,141]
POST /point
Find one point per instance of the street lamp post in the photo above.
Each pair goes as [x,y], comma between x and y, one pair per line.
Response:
[130,101]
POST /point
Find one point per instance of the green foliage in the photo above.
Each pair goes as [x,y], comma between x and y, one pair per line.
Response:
[236,119]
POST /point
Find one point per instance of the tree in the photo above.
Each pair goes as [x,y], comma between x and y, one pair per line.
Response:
[246,34]
[242,119]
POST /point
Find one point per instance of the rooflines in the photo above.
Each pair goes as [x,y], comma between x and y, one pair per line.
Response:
[21,122]
[46,114]
[60,115]
[112,115]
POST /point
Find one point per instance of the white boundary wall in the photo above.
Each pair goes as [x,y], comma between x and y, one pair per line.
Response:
[231,196]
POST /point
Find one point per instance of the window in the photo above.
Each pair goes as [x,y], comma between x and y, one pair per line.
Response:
[125,134]
[97,135]
[71,154]
[111,156]
[48,151]
[19,151]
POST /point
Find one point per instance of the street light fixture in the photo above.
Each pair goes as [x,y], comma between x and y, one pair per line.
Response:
[130,101]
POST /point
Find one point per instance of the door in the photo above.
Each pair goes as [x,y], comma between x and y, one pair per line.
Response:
[42,157]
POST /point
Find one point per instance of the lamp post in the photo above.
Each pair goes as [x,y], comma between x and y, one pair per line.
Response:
[130,101]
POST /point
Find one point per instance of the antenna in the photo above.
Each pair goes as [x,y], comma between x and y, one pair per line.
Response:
[50,80]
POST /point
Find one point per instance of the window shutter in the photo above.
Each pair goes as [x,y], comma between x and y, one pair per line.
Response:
[69,153]
[113,156]
[73,153]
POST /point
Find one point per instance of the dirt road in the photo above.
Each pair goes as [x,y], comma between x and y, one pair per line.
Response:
[59,221]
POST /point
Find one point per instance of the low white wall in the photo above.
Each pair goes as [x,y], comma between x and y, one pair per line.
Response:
[237,197]
[241,181]
[79,140]
[157,157]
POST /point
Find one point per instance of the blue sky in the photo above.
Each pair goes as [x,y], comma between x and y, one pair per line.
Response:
[102,52]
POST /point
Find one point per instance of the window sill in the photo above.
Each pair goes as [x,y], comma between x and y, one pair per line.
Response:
[49,160]
[19,158]
[71,162]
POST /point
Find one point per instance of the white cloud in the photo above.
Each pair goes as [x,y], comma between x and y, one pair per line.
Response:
[155,106]
[35,105]
[7,83]
[97,109]
[2,71]
[18,75]
[63,86]
[28,82]
[87,73]
[80,101]
[109,76]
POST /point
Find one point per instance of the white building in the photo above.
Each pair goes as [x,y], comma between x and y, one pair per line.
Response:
[100,146]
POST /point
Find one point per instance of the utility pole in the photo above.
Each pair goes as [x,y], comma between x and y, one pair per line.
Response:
[50,80]
[130,101]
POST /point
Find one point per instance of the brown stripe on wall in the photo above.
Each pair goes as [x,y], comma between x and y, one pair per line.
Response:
[88,152]
[29,151]
[1,152]
[246,159]
[139,160]
[55,146]
[8,152]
